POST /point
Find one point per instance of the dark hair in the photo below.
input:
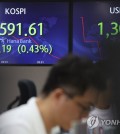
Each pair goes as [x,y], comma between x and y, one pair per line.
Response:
[75,75]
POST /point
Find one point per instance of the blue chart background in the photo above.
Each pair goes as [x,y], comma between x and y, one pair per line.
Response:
[92,13]
[53,15]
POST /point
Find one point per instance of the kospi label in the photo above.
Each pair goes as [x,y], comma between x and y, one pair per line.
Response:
[16,11]
[115,10]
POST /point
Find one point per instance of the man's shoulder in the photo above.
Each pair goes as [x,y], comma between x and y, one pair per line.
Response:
[25,118]
[18,115]
[13,116]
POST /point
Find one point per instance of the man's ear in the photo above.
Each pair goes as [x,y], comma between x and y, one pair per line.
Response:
[58,93]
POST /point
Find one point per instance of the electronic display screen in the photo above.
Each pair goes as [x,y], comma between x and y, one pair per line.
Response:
[94,21]
[33,33]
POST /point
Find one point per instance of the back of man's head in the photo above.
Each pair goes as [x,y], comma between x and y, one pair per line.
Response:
[75,75]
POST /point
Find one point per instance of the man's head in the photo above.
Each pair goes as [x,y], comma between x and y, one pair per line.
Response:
[72,87]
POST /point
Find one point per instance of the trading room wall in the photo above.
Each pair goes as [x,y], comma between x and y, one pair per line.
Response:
[9,77]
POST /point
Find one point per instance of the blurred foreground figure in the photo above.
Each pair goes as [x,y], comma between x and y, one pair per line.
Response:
[113,51]
[72,87]
[107,107]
